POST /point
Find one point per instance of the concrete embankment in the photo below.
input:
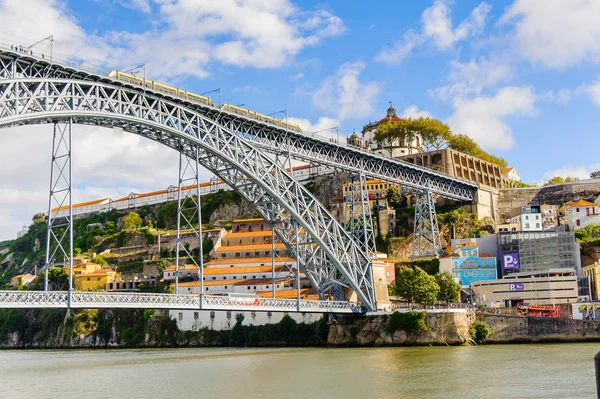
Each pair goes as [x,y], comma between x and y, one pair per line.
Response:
[515,329]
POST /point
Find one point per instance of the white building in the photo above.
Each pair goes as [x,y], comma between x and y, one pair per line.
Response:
[511,174]
[394,149]
[137,200]
[528,218]
[581,214]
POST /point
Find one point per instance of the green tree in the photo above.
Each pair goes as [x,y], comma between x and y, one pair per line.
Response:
[39,218]
[595,175]
[99,259]
[463,143]
[555,180]
[132,221]
[413,284]
[449,289]
[394,196]
[390,134]
[570,179]
[434,133]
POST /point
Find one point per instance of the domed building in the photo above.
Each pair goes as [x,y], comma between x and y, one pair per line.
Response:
[397,149]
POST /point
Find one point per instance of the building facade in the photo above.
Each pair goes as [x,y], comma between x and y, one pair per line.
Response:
[527,218]
[581,214]
[467,265]
[543,288]
[537,251]
[394,149]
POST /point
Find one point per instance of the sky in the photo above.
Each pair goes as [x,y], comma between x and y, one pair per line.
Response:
[521,78]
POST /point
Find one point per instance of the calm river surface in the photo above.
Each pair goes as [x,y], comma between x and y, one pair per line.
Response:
[498,371]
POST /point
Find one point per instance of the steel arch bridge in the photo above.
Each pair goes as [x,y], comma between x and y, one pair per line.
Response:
[34,91]
[329,256]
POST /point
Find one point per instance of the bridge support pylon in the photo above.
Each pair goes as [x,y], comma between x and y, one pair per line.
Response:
[426,236]
[358,215]
[189,217]
[59,233]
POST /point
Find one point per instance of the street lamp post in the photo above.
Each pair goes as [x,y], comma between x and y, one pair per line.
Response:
[220,95]
[50,38]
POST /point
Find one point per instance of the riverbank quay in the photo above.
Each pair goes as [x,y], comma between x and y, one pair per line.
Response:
[93,328]
[456,327]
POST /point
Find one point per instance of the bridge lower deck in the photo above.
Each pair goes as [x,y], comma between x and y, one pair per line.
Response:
[135,300]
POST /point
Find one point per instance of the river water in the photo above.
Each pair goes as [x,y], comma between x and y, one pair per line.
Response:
[494,371]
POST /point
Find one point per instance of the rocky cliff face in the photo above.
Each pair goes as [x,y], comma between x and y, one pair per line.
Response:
[443,329]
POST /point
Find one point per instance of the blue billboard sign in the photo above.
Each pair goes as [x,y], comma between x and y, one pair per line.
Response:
[511,261]
[516,287]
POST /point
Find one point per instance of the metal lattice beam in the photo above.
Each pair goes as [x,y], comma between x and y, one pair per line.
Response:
[426,236]
[358,214]
[328,255]
[188,210]
[59,234]
[270,138]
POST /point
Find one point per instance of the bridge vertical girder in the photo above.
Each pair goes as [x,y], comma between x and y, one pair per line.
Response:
[358,213]
[426,236]
[59,230]
[188,209]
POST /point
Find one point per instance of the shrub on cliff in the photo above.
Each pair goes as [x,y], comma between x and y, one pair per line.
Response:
[480,331]
[407,321]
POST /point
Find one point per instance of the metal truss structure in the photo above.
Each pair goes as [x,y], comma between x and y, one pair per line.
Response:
[306,147]
[136,300]
[358,215]
[59,236]
[426,236]
[189,212]
[326,253]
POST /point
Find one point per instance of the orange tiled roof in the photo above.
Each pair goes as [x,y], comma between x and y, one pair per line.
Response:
[256,281]
[80,204]
[97,273]
[486,256]
[581,203]
[248,247]
[249,234]
[248,260]
[506,170]
[239,269]
[305,293]
[247,220]
[186,267]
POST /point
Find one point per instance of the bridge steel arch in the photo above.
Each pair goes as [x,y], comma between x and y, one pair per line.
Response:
[327,254]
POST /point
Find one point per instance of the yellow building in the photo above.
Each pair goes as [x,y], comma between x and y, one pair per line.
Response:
[94,281]
[83,268]
[592,272]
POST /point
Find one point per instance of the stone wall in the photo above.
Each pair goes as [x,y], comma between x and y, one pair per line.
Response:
[515,329]
[553,195]
[450,328]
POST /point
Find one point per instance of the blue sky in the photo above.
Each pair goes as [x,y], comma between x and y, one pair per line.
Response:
[519,77]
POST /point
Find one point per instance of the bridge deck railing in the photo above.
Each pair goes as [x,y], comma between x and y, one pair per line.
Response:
[135,300]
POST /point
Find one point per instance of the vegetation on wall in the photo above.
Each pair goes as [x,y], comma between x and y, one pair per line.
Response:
[435,134]
[407,321]
[480,331]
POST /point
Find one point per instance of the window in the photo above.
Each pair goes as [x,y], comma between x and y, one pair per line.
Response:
[466,274]
[526,225]
[180,316]
[578,222]
[537,225]
[195,315]
[214,278]
[526,217]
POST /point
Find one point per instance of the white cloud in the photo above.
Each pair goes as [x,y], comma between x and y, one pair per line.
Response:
[593,90]
[580,171]
[345,95]
[472,77]
[190,34]
[437,24]
[106,163]
[482,118]
[413,111]
[324,126]
[556,33]
[297,76]
[436,28]
[401,49]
